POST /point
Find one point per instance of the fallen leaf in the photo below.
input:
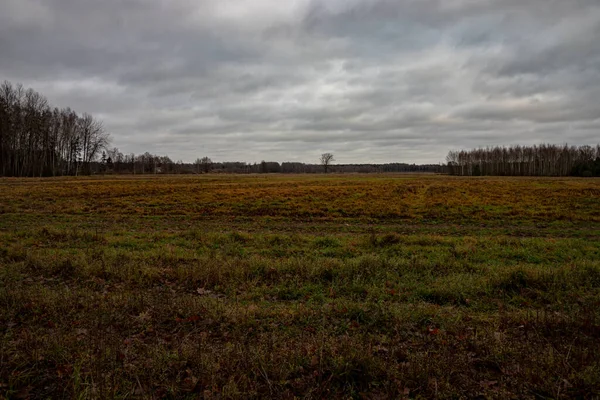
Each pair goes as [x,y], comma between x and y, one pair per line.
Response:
[488,384]
[64,370]
[81,332]
[189,384]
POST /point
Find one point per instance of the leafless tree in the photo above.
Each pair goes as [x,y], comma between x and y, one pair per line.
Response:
[326,160]
[36,140]
[93,140]
[206,164]
[203,164]
[537,160]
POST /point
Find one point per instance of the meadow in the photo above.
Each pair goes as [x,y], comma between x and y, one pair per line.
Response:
[299,286]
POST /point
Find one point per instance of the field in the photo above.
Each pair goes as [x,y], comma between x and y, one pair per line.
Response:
[312,286]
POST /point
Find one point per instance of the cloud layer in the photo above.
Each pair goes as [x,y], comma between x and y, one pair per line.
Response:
[368,80]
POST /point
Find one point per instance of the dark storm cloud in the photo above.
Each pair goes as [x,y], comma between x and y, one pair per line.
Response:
[369,80]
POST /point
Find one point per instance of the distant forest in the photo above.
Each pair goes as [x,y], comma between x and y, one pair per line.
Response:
[147,163]
[37,140]
[537,160]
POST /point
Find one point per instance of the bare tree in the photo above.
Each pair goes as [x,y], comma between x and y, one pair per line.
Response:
[37,140]
[93,139]
[203,164]
[206,164]
[536,160]
[326,160]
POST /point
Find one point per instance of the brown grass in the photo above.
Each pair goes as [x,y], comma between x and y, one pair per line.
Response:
[299,287]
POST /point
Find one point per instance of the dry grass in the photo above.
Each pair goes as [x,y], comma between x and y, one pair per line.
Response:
[411,198]
[299,286]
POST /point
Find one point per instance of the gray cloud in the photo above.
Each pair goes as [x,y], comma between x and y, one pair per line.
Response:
[369,80]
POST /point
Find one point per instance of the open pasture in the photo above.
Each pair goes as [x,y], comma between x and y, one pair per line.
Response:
[308,286]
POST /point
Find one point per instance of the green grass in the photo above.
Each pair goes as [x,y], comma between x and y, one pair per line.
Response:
[96,305]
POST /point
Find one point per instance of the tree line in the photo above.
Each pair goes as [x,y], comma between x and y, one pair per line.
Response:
[536,160]
[38,140]
[115,162]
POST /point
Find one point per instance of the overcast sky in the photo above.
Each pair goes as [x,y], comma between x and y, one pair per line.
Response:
[286,80]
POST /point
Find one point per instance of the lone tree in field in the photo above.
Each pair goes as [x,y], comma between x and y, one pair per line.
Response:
[326,160]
